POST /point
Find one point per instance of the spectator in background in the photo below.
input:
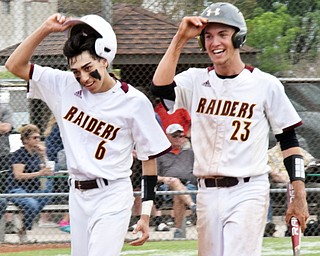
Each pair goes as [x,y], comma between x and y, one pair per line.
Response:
[55,151]
[175,172]
[3,206]
[180,116]
[53,141]
[28,165]
[6,126]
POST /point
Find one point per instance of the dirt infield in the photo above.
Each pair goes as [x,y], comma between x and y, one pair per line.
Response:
[4,248]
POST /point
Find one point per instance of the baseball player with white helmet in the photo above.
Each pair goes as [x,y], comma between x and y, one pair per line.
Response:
[101,120]
[232,106]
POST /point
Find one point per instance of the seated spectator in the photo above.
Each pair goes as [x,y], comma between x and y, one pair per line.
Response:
[28,164]
[3,206]
[55,152]
[175,172]
[180,116]
[53,141]
[6,126]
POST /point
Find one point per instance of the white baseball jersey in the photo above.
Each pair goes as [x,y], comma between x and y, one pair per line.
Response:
[231,119]
[99,131]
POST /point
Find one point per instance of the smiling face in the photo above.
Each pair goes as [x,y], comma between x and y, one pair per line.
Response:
[218,43]
[91,72]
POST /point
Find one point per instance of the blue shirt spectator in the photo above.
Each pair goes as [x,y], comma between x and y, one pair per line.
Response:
[28,164]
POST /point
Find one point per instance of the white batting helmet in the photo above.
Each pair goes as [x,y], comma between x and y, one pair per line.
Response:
[106,45]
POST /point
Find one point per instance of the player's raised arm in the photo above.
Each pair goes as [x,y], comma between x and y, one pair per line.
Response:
[190,27]
[19,61]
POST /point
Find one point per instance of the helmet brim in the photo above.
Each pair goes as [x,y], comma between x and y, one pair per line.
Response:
[71,23]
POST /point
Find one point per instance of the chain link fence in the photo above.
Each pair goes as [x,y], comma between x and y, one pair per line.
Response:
[283,39]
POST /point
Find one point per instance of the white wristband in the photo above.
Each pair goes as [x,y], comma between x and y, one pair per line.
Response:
[146,207]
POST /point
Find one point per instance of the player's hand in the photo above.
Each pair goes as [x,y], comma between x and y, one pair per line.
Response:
[299,206]
[143,227]
[191,26]
[57,23]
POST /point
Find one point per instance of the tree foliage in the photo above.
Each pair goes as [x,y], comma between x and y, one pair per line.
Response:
[284,39]
[285,31]
[79,7]
[295,7]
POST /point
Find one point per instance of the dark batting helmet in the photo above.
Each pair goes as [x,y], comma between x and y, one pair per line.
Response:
[227,14]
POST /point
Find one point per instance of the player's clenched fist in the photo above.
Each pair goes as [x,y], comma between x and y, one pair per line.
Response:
[57,23]
[191,27]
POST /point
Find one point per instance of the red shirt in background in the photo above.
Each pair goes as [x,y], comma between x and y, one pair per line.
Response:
[180,116]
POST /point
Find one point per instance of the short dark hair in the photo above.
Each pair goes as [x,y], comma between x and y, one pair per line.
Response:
[82,38]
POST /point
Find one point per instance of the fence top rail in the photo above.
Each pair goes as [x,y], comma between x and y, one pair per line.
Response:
[33,195]
[284,190]
[299,79]
[138,193]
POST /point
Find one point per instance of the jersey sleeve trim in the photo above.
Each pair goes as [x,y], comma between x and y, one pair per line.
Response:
[30,76]
[31,71]
[293,126]
[161,153]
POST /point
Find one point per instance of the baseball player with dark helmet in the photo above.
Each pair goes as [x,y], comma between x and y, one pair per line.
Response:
[101,120]
[232,106]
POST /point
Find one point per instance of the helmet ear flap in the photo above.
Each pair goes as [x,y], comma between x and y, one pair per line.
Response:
[103,51]
[238,39]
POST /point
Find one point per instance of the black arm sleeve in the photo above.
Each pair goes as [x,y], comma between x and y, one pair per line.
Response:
[164,92]
[288,139]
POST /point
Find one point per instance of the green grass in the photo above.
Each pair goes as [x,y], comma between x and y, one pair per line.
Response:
[6,75]
[271,247]
[48,252]
[310,246]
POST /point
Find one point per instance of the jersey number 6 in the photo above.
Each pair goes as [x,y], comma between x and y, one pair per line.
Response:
[101,150]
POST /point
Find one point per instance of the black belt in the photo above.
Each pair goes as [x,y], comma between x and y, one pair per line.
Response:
[88,184]
[224,182]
